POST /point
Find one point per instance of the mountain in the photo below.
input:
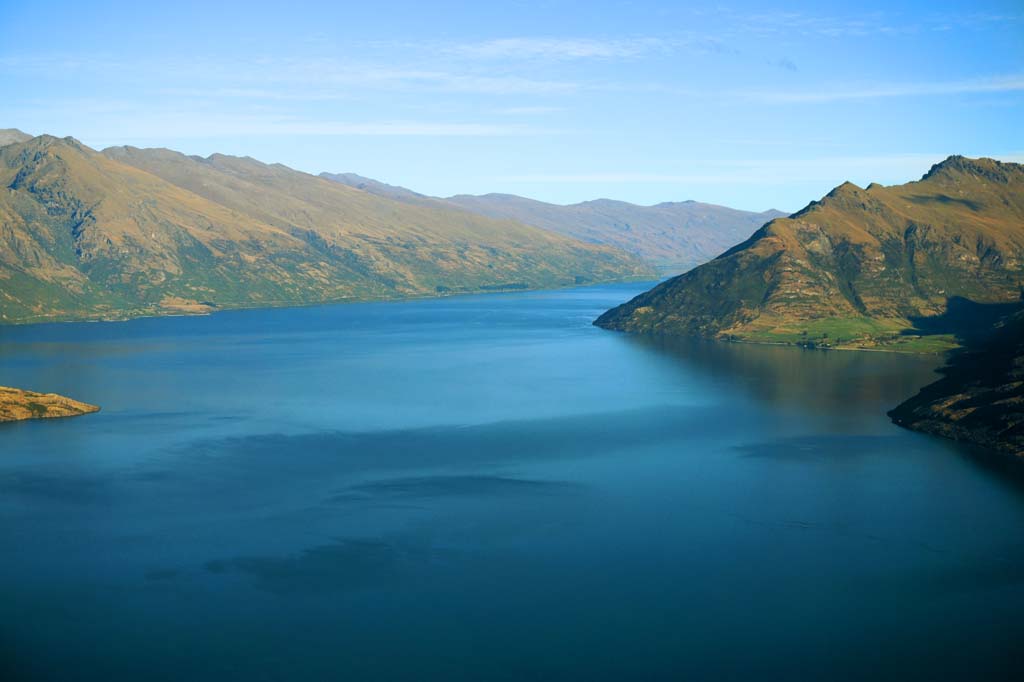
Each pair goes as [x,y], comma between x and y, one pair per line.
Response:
[16,404]
[673,236]
[980,399]
[859,268]
[85,234]
[381,189]
[12,135]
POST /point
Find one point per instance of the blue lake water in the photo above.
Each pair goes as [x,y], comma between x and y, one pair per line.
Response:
[489,488]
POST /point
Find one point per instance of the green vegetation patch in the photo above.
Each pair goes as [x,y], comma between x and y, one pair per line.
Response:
[893,334]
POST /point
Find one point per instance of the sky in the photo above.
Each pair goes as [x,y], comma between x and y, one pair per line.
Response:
[747,104]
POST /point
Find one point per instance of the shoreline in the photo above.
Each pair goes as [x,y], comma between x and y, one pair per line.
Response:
[127,317]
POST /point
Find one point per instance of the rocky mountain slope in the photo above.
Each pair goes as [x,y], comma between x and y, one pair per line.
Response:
[674,236]
[857,268]
[16,404]
[980,399]
[126,232]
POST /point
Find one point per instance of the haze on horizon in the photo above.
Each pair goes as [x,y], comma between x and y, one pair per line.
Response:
[639,101]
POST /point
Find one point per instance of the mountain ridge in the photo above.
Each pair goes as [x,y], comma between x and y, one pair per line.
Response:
[133,232]
[673,235]
[854,267]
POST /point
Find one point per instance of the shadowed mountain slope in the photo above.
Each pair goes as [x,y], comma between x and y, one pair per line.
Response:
[980,399]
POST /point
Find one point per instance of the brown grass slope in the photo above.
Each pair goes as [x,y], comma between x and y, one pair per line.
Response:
[413,249]
[672,235]
[857,265]
[85,234]
[16,404]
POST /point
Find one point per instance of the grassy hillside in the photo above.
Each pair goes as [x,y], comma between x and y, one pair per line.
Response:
[16,405]
[131,232]
[673,236]
[858,268]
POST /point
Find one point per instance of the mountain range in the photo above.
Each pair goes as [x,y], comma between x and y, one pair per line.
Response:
[126,231]
[674,236]
[860,268]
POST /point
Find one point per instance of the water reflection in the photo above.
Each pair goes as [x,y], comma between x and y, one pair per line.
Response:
[820,381]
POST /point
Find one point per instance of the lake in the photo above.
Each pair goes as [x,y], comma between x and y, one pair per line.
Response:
[489,488]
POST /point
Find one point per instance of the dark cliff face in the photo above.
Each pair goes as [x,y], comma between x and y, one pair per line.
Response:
[858,264]
[980,398]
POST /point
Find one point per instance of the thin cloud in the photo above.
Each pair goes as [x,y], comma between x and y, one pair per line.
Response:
[252,93]
[144,124]
[882,168]
[318,78]
[558,48]
[862,26]
[528,111]
[401,128]
[968,87]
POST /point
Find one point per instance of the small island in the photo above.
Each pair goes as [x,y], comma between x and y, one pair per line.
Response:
[16,404]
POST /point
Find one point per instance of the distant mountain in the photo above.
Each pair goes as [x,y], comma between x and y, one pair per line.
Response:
[857,268]
[674,236]
[12,135]
[380,188]
[130,231]
[980,399]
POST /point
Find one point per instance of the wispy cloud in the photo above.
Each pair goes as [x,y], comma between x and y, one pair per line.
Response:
[139,123]
[252,94]
[397,128]
[309,78]
[965,87]
[882,168]
[558,48]
[528,111]
[872,24]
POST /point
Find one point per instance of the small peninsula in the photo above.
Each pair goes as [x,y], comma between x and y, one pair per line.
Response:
[16,404]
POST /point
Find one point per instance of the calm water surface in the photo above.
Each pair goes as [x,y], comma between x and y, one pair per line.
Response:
[488,488]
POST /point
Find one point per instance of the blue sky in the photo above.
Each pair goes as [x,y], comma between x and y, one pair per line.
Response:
[747,104]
